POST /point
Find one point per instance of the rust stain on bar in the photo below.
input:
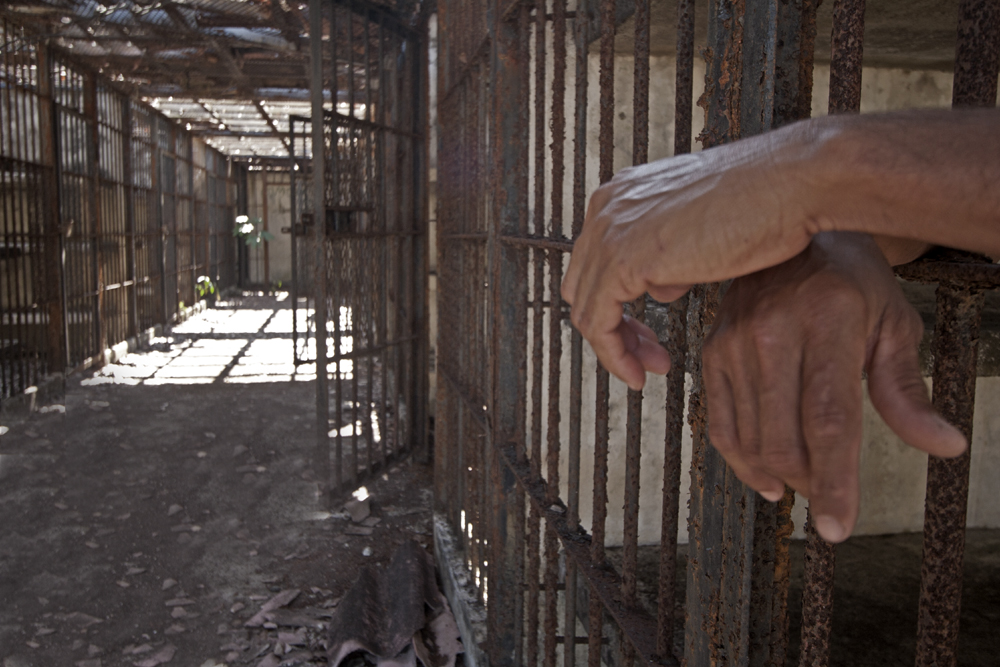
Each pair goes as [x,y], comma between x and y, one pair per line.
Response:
[817,599]
[684,86]
[956,341]
[637,625]
[847,48]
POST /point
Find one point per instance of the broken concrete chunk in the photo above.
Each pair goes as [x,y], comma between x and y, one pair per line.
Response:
[174,629]
[270,660]
[359,510]
[178,612]
[239,606]
[174,509]
[372,521]
[280,600]
[168,584]
[178,602]
[164,655]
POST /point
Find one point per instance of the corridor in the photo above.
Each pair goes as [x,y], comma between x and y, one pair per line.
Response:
[148,518]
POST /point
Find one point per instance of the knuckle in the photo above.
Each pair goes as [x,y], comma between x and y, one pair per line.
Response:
[826,422]
[787,459]
[722,440]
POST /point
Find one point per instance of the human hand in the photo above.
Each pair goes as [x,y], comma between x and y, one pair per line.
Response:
[661,227]
[782,370]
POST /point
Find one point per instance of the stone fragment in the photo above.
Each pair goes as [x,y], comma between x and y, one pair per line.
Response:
[174,509]
[174,629]
[168,584]
[239,606]
[359,510]
[164,655]
[358,530]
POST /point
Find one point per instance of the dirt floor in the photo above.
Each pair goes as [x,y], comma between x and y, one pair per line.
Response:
[147,518]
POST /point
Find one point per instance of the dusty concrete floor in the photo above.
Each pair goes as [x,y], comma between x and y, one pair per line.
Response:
[876,589]
[171,500]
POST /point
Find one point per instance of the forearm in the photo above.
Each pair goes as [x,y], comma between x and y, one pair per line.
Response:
[921,177]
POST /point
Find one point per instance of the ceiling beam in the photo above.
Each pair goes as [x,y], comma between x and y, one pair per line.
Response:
[270,123]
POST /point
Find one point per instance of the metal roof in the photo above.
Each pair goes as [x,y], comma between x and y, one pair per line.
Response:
[234,70]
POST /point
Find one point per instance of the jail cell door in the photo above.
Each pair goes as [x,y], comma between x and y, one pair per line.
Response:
[375,232]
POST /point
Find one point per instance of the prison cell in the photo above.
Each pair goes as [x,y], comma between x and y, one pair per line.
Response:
[109,213]
[524,90]
[361,269]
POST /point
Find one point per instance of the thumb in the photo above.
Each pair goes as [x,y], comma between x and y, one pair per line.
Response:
[899,394]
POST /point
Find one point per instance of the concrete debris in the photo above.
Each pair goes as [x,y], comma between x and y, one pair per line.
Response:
[174,509]
[270,660]
[168,584]
[164,655]
[282,599]
[371,521]
[359,510]
[78,618]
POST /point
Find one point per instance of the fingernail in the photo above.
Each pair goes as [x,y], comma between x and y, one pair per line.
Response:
[830,529]
[773,495]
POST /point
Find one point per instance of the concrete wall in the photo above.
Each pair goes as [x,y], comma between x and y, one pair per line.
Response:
[893,475]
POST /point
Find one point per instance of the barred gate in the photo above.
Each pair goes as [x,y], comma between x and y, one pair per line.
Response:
[370,292]
[520,399]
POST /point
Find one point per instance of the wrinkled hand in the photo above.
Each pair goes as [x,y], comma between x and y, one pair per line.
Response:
[663,226]
[783,367]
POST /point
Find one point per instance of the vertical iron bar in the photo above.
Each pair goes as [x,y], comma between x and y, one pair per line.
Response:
[606,82]
[580,23]
[537,351]
[847,47]
[555,258]
[321,454]
[509,293]
[633,426]
[959,312]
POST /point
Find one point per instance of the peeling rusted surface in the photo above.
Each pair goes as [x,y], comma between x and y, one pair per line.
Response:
[684,85]
[636,624]
[977,54]
[956,338]
[793,72]
[817,599]
[847,48]
[676,345]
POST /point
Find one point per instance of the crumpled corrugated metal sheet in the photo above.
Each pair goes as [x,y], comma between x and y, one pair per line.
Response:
[396,615]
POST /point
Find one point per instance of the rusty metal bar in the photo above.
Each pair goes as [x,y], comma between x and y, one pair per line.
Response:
[321,454]
[959,313]
[555,259]
[537,352]
[847,46]
[510,68]
[605,171]
[633,423]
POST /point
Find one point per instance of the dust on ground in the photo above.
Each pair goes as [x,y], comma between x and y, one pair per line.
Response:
[150,521]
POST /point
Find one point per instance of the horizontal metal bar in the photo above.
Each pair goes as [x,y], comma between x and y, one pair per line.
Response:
[638,626]
[357,354]
[371,125]
[563,245]
[347,236]
[981,275]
